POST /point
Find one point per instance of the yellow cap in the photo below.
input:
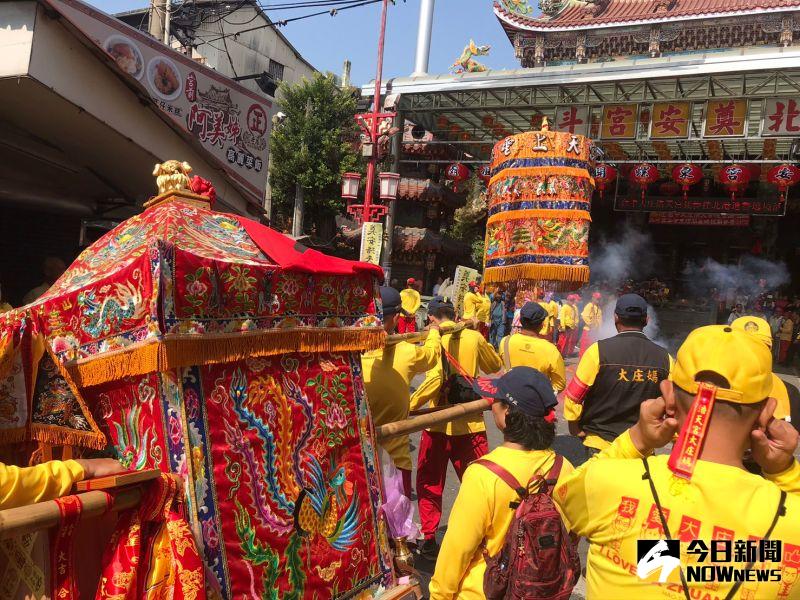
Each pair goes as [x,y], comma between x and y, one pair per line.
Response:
[739,357]
[754,326]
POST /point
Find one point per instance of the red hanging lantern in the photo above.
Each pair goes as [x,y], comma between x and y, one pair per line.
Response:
[604,175]
[485,174]
[643,175]
[687,175]
[456,172]
[784,176]
[735,178]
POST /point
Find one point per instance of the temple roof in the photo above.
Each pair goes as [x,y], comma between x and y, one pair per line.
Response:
[577,14]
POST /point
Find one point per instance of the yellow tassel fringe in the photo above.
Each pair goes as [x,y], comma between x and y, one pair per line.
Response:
[60,436]
[176,351]
[566,277]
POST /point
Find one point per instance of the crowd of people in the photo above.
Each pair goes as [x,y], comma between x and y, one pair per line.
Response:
[730,473]
[628,397]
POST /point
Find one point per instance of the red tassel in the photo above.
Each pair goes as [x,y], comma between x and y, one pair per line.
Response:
[687,449]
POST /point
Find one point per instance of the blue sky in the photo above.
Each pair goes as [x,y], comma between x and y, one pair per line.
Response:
[353,34]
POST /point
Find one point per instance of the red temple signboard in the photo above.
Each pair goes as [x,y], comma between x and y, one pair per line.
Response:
[781,117]
[619,121]
[690,218]
[740,206]
[670,120]
[726,118]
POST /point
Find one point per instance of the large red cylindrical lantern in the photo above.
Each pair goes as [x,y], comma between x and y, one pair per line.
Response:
[456,172]
[687,175]
[643,175]
[485,174]
[604,175]
[735,178]
[784,176]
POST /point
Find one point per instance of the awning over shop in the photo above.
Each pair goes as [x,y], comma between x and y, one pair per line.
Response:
[427,190]
[79,134]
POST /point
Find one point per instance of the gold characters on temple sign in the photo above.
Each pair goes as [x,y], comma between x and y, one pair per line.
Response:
[172,175]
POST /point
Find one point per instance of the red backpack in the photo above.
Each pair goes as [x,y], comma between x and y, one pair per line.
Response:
[539,560]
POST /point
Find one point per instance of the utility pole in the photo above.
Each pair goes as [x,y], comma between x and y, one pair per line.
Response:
[399,121]
[424,31]
[299,193]
[346,74]
[158,10]
[167,17]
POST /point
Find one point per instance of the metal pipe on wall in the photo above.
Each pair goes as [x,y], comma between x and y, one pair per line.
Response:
[424,33]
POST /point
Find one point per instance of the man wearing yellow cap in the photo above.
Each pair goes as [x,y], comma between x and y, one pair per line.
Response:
[761,330]
[718,398]
[407,320]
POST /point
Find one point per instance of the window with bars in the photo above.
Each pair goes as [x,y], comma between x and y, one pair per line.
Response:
[275,70]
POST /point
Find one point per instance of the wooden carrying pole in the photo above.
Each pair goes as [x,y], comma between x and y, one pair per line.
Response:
[430,419]
[44,515]
[419,336]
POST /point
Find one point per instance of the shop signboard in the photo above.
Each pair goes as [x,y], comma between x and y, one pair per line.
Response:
[229,121]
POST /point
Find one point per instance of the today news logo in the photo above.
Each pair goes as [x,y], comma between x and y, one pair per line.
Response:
[665,556]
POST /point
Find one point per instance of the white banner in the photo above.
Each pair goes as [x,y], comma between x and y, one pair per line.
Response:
[371,243]
[461,285]
[228,120]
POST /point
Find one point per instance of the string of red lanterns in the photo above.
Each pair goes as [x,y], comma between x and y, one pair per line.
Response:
[734,178]
[687,175]
[604,176]
[643,175]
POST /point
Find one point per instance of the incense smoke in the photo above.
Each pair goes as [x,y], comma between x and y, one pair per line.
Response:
[629,256]
[751,276]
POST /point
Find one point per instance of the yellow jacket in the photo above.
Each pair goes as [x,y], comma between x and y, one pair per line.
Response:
[473,353]
[387,377]
[472,302]
[484,309]
[481,515]
[26,485]
[552,314]
[592,317]
[785,333]
[410,301]
[567,317]
[610,504]
[528,351]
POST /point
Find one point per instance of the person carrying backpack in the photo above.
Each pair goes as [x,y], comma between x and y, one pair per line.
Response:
[504,516]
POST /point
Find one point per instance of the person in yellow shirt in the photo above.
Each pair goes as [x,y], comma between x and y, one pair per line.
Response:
[472,302]
[592,316]
[411,301]
[551,307]
[20,486]
[699,492]
[483,313]
[387,379]
[530,348]
[568,326]
[460,441]
[760,329]
[614,377]
[523,409]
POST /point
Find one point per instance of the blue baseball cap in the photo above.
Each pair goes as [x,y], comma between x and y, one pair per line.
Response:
[524,388]
[438,302]
[390,299]
[631,305]
[533,311]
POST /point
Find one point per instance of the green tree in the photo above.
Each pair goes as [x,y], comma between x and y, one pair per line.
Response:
[469,221]
[314,147]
